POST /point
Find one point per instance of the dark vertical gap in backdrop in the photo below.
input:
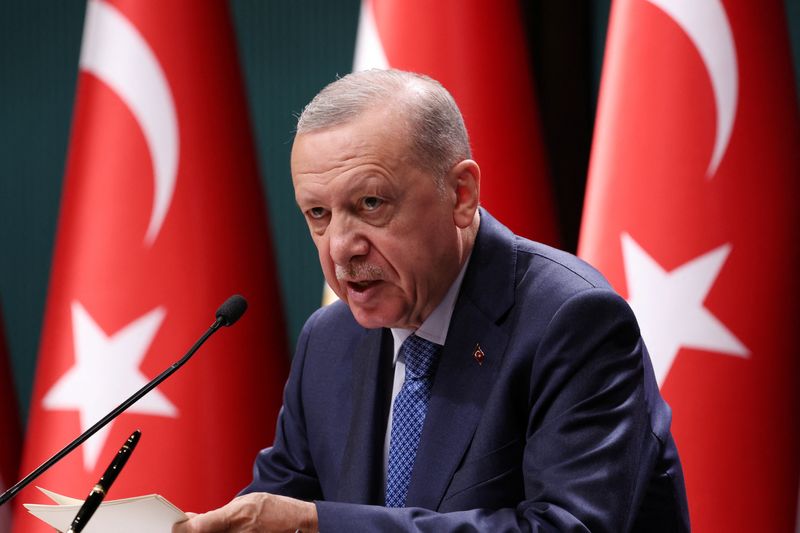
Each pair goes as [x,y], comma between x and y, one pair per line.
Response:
[600,10]
[793,21]
[561,54]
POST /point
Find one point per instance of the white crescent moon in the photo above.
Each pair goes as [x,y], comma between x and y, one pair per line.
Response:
[706,24]
[115,52]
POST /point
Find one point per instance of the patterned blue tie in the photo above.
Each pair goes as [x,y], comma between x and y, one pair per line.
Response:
[408,415]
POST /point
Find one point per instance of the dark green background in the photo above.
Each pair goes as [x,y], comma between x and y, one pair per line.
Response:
[288,49]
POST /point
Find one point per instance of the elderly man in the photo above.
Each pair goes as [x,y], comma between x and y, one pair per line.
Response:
[469,379]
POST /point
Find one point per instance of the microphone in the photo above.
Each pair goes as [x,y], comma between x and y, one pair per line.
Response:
[231,310]
[98,493]
[227,314]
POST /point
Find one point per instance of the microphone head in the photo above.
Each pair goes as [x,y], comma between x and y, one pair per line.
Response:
[231,310]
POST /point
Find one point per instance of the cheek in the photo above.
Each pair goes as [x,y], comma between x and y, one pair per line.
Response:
[323,254]
[402,261]
[325,261]
[424,260]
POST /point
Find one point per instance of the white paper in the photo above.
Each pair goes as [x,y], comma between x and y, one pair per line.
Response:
[151,513]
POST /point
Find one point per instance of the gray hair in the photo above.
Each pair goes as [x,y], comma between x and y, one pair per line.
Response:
[435,127]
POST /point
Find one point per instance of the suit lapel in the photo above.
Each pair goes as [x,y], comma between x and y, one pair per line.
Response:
[462,385]
[361,477]
[459,393]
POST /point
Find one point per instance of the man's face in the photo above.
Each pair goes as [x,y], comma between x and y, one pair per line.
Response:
[385,233]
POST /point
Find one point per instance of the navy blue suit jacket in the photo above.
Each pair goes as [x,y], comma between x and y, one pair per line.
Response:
[561,428]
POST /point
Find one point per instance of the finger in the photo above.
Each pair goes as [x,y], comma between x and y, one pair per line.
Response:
[181,527]
[210,522]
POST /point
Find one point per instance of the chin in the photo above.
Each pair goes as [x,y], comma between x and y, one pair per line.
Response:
[366,320]
[376,319]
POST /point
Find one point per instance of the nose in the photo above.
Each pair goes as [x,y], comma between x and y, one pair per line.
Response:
[347,241]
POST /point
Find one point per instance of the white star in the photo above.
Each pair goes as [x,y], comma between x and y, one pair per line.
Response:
[669,305]
[106,372]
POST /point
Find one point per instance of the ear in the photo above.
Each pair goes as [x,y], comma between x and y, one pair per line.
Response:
[466,179]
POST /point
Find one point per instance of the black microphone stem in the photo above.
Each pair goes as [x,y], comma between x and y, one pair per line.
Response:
[10,493]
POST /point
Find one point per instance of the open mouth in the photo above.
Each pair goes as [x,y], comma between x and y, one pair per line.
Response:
[361,286]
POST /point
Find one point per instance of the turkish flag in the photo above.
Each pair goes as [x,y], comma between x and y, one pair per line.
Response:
[691,211]
[477,50]
[9,429]
[162,218]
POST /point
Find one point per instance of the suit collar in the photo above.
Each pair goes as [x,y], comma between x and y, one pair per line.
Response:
[492,266]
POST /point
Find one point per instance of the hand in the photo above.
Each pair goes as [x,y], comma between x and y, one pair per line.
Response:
[256,512]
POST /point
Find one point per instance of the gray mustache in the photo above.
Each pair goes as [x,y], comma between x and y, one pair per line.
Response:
[359,272]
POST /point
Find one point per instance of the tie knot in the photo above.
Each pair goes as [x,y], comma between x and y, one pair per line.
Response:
[420,356]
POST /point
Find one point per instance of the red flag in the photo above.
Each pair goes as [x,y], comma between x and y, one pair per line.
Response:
[9,429]
[162,218]
[691,212]
[477,50]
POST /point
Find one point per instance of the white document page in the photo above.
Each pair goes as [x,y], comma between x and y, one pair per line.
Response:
[151,513]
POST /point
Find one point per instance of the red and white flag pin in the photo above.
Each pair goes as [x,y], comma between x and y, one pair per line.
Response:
[478,354]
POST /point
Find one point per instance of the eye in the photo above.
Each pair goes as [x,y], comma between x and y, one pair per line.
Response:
[317,213]
[371,203]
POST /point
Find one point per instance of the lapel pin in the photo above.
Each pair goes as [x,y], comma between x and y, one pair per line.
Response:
[478,354]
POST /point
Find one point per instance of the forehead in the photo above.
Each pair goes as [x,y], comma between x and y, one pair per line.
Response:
[377,136]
